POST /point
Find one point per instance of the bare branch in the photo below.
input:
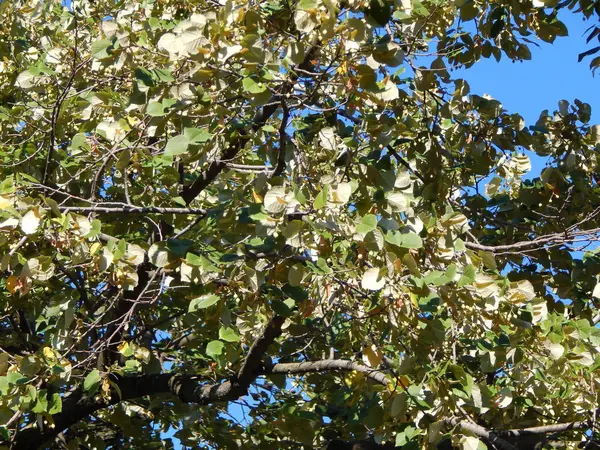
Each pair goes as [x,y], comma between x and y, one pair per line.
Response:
[129,209]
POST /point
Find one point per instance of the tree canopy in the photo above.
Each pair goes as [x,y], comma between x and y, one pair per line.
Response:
[287,225]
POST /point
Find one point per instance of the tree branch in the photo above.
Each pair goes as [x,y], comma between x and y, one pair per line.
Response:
[129,209]
[328,365]
[484,433]
[535,244]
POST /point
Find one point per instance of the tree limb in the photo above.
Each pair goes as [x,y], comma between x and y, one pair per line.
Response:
[129,209]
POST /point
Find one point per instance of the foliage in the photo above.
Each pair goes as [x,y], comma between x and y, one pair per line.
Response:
[281,224]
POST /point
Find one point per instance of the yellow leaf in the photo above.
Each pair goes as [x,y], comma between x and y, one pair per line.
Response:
[124,349]
[106,388]
[94,248]
[12,284]
[5,202]
[49,353]
[257,197]
[354,378]
[400,381]
[372,356]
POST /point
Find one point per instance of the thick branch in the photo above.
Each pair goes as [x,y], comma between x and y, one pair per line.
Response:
[546,429]
[253,361]
[484,433]
[328,365]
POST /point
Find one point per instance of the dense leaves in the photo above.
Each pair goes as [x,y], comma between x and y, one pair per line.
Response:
[285,224]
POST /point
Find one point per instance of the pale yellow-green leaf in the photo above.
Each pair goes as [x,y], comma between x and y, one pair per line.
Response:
[485,285]
[11,222]
[276,200]
[522,163]
[167,43]
[341,194]
[398,201]
[40,269]
[470,443]
[158,254]
[306,21]
[135,254]
[327,138]
[6,202]
[521,291]
[105,260]
[492,188]
[389,92]
[371,280]
[26,79]
[555,350]
[540,310]
[585,359]
[30,222]
[81,225]
[505,398]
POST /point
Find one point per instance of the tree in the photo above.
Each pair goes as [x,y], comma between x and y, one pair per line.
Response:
[285,224]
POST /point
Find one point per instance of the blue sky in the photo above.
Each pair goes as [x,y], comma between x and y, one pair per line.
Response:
[551,75]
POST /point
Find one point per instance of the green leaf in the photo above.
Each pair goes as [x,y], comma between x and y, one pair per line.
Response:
[95,228]
[380,11]
[368,223]
[101,49]
[177,145]
[321,199]
[203,302]
[468,276]
[281,308]
[41,404]
[163,75]
[197,135]
[55,404]
[200,261]
[228,334]
[411,240]
[179,247]
[404,240]
[156,109]
[214,348]
[252,86]
[145,77]
[292,228]
[91,382]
